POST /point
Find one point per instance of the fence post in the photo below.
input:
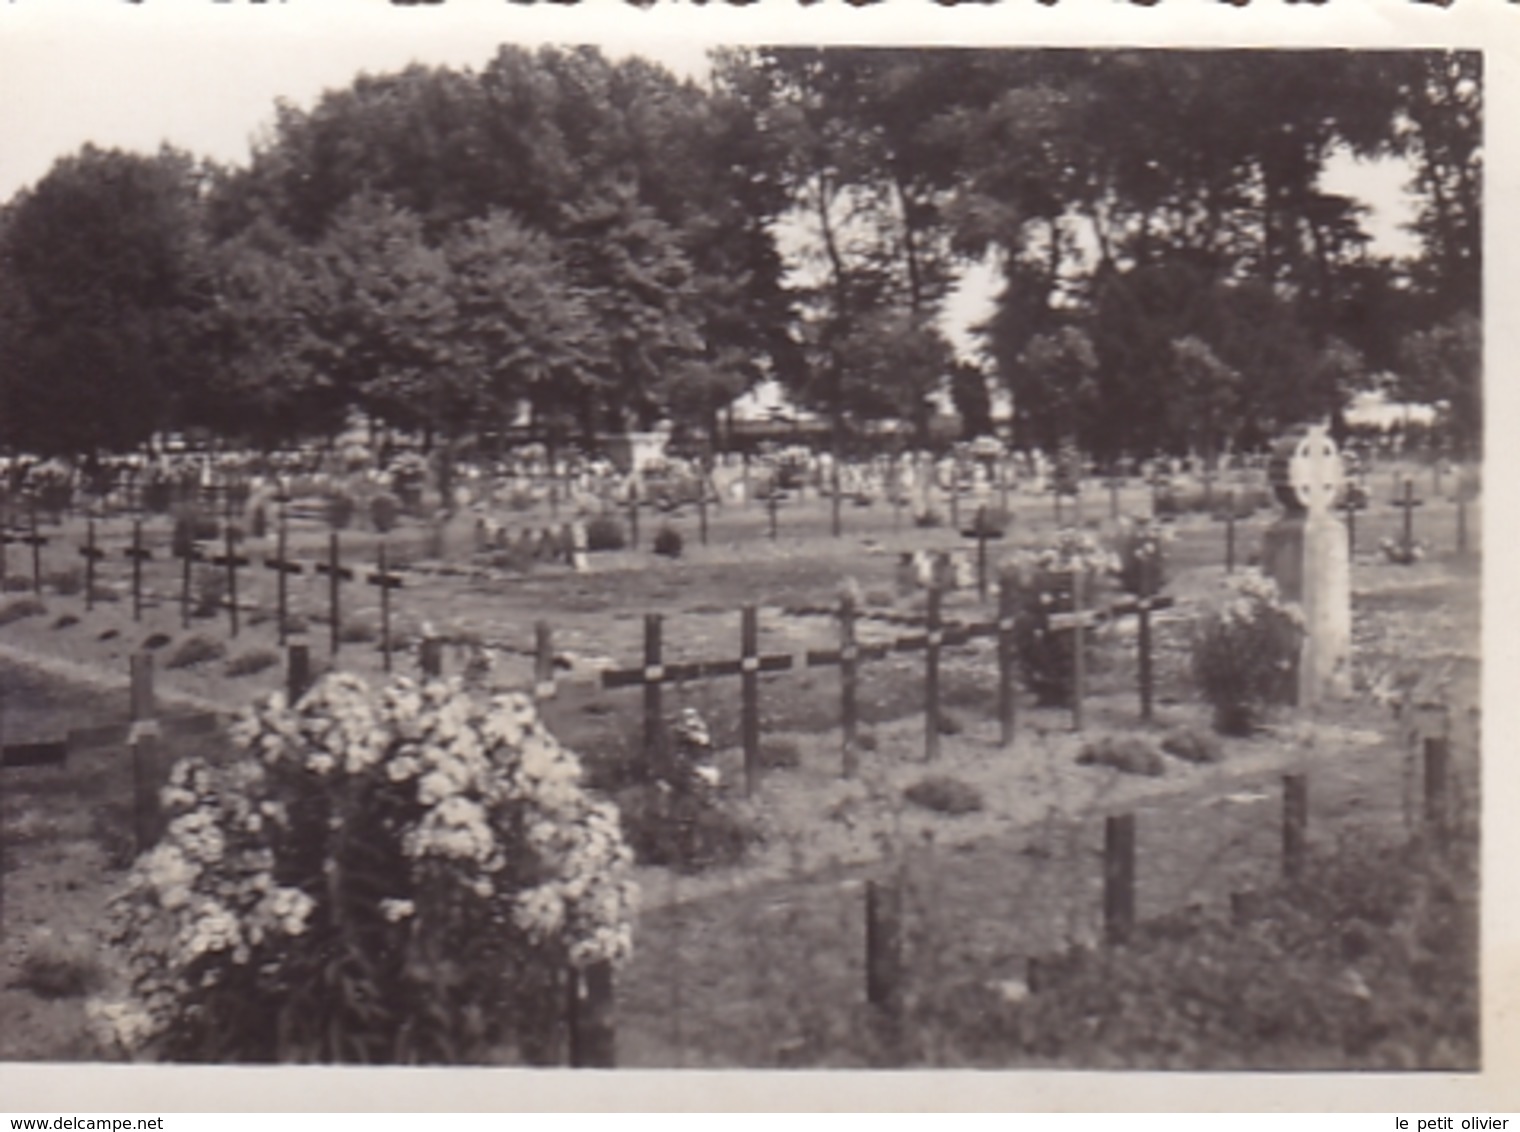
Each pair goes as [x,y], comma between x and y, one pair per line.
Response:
[847,682]
[385,608]
[1295,823]
[1437,763]
[1147,678]
[1007,703]
[280,582]
[933,636]
[702,483]
[772,502]
[593,1031]
[749,675]
[1118,878]
[633,514]
[654,675]
[186,566]
[1229,532]
[884,959]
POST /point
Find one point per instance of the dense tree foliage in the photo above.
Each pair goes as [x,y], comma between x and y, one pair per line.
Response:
[592,244]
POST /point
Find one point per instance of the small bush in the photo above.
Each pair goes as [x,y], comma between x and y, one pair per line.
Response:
[109,635]
[157,641]
[1142,558]
[605,532]
[252,662]
[58,970]
[66,583]
[780,754]
[384,512]
[358,633]
[1245,654]
[340,510]
[67,621]
[687,832]
[944,795]
[1127,753]
[668,542]
[195,650]
[1192,745]
[18,609]
[1042,587]
[928,520]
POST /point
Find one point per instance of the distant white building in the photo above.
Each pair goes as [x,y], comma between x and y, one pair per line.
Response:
[1373,409]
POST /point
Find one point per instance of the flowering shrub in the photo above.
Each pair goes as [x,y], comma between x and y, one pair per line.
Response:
[1245,654]
[1042,585]
[400,874]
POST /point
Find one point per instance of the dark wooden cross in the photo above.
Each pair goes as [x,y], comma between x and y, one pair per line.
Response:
[336,573]
[654,674]
[633,513]
[91,554]
[187,555]
[283,568]
[1349,505]
[232,561]
[139,554]
[1077,622]
[772,504]
[386,581]
[1408,503]
[1227,516]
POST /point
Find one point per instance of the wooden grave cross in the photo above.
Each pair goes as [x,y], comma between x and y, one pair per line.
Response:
[1142,606]
[188,555]
[1349,506]
[139,554]
[91,554]
[1077,622]
[654,673]
[1408,503]
[283,567]
[232,561]
[386,581]
[36,541]
[337,574]
[1227,517]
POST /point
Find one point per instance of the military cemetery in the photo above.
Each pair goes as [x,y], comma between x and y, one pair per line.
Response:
[565,599]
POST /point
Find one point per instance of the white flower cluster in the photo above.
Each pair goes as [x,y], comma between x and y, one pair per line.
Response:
[479,801]
[1252,595]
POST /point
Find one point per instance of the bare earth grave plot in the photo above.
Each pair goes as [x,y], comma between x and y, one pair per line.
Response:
[762,963]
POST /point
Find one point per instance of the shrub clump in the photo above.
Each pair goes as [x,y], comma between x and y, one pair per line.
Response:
[384,512]
[1128,753]
[1245,654]
[193,650]
[1141,551]
[18,609]
[1192,745]
[605,532]
[58,969]
[668,542]
[252,662]
[340,508]
[398,874]
[210,592]
[944,795]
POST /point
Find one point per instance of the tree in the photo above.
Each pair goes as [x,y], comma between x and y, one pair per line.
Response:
[1056,390]
[1444,366]
[105,274]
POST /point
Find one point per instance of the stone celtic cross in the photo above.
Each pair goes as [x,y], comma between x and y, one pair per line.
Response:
[1311,474]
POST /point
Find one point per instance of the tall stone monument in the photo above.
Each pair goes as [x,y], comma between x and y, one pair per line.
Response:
[1306,553]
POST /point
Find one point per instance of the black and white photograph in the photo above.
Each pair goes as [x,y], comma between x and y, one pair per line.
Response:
[532,547]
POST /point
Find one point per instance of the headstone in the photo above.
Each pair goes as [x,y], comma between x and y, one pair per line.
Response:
[1306,553]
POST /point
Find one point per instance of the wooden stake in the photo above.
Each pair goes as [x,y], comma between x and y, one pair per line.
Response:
[385,608]
[981,552]
[297,672]
[543,661]
[884,960]
[333,581]
[1119,878]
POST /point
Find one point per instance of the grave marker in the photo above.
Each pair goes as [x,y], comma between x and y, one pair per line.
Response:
[1307,554]
[138,554]
[1076,622]
[337,574]
[1118,878]
[1408,503]
[386,582]
[91,554]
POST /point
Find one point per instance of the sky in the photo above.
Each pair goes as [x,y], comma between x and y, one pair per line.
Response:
[205,77]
